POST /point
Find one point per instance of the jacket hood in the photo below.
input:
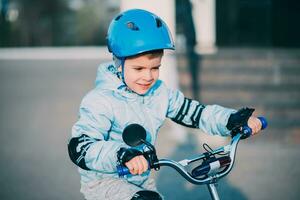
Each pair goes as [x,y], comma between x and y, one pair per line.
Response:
[109,78]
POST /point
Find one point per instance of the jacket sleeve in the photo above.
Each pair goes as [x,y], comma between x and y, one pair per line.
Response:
[89,147]
[211,119]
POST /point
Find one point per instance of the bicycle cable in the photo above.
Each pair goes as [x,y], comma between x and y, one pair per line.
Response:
[209,150]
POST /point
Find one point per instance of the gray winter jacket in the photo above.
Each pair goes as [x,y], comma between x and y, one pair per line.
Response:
[110,107]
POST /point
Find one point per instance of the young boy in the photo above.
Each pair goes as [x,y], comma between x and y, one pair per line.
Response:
[128,91]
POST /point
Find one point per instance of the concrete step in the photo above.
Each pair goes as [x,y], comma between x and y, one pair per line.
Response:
[268,99]
[266,80]
[254,53]
[252,78]
[210,65]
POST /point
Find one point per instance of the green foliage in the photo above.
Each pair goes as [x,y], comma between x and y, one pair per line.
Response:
[55,23]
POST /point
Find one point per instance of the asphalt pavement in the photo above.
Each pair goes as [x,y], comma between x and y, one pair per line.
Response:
[39,101]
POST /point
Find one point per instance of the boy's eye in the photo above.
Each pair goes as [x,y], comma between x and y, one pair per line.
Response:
[138,69]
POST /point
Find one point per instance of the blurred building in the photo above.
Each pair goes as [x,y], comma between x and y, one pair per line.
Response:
[261,23]
[55,22]
[267,23]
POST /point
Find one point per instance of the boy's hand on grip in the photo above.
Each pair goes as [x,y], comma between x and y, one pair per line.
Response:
[133,159]
[255,124]
[137,165]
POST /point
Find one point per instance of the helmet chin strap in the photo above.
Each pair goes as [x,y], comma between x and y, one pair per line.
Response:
[122,73]
[120,62]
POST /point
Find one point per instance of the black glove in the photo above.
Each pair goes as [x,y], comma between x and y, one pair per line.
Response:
[238,120]
[124,155]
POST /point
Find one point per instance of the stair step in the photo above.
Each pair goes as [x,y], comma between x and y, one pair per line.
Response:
[265,80]
[260,78]
[276,100]
[271,96]
[273,78]
[233,87]
[250,54]
[240,68]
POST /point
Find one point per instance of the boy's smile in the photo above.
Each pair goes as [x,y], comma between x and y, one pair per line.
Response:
[141,72]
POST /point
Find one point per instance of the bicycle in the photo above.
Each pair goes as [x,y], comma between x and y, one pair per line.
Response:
[215,165]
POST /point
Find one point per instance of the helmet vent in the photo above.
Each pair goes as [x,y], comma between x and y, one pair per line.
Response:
[158,22]
[132,26]
[118,17]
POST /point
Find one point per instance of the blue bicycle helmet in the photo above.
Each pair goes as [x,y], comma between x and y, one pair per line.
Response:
[137,31]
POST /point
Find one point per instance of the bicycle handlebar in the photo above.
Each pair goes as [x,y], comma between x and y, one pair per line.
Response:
[206,177]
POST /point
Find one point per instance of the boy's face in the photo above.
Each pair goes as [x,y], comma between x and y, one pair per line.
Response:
[141,72]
